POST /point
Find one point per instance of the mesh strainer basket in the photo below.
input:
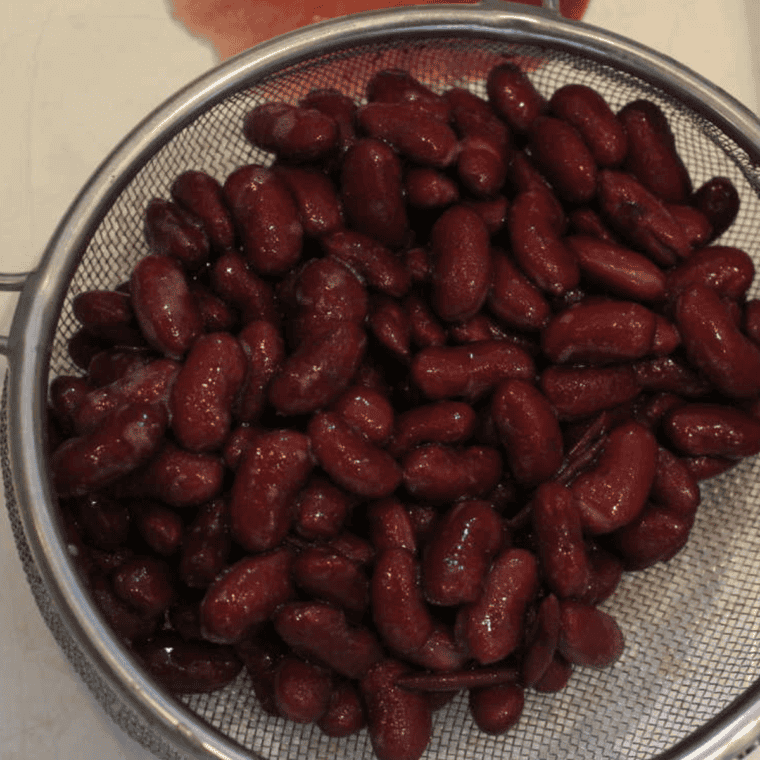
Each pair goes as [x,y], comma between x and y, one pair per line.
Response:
[687,685]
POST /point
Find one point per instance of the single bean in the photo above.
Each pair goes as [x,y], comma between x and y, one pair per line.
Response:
[301,690]
[496,709]
[176,232]
[719,201]
[513,96]
[316,199]
[207,545]
[588,636]
[324,574]
[321,509]
[235,283]
[513,298]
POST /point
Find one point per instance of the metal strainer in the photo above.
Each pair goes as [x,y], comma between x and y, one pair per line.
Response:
[687,685]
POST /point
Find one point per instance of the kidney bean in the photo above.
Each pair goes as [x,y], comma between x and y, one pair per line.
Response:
[270,475]
[673,486]
[714,345]
[620,270]
[216,314]
[325,574]
[666,337]
[319,630]
[368,411]
[390,526]
[339,107]
[161,528]
[399,721]
[185,667]
[244,595]
[390,326]
[238,442]
[399,86]
[414,133]
[613,492]
[729,271]
[536,245]
[82,346]
[352,546]
[513,298]
[606,570]
[587,223]
[492,626]
[588,636]
[670,375]
[694,223]
[112,364]
[496,709]
[291,132]
[265,351]
[513,96]
[440,653]
[370,259]
[424,329]
[652,154]
[201,195]
[261,655]
[266,218]
[543,644]
[529,431]
[354,463]
[439,422]
[321,509]
[173,231]
[649,410]
[165,309]
[556,676]
[145,584]
[318,371]
[719,201]
[129,625]
[301,690]
[525,177]
[316,199]
[424,519]
[459,553]
[67,394]
[417,264]
[371,188]
[493,211]
[482,327]
[206,545]
[586,110]
[205,388]
[428,188]
[345,713]
[641,218]
[704,467]
[233,281]
[126,439]
[108,315]
[438,473]
[470,371]
[104,521]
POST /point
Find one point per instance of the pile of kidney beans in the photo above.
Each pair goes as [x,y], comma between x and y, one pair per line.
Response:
[387,419]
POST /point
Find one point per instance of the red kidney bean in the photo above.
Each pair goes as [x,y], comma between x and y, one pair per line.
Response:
[556,676]
[82,346]
[429,188]
[537,247]
[620,270]
[704,467]
[354,463]
[673,486]
[438,473]
[203,393]
[390,326]
[185,667]
[588,112]
[105,521]
[543,644]
[319,630]
[173,231]
[238,442]
[588,636]
[67,394]
[316,199]
[345,713]
[561,154]
[525,177]
[493,211]
[261,655]
[321,509]
[470,371]
[126,439]
[232,280]
[165,309]
[161,528]
[513,96]
[613,492]
[202,195]
[370,259]
[481,327]
[206,545]
[114,363]
[371,188]
[599,332]
[301,690]
[318,371]
[398,720]
[492,626]
[729,271]
[325,574]
[650,410]
[461,264]
[719,201]
[641,218]
[424,329]
[129,625]
[529,431]
[245,595]
[368,411]
[265,351]
[606,572]
[424,519]
[577,392]
[670,375]
[355,548]
[291,132]
[399,86]
[339,107]
[414,133]
[695,224]
[266,219]
[652,155]
[440,653]
[439,422]
[417,264]
[398,607]
[559,532]
[714,345]
[496,709]
[459,553]
[513,298]
[144,583]
[666,337]
[270,475]
[108,314]
[391,526]
[216,314]
[586,222]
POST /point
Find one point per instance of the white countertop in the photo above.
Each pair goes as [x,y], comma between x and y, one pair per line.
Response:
[77,75]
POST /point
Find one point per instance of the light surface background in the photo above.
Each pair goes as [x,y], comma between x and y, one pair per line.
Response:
[77,75]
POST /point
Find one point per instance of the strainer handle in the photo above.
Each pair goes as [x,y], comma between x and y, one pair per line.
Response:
[11,283]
